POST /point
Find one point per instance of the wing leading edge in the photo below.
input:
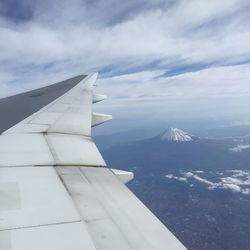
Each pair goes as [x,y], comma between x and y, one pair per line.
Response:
[56,191]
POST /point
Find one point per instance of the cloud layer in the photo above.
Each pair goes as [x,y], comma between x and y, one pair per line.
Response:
[240,148]
[143,49]
[238,181]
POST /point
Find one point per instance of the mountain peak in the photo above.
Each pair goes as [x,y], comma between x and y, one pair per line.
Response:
[177,135]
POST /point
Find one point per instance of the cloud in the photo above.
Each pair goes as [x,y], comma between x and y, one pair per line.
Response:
[45,41]
[233,187]
[203,180]
[185,96]
[239,173]
[171,176]
[246,191]
[227,81]
[199,171]
[158,60]
[239,148]
[239,181]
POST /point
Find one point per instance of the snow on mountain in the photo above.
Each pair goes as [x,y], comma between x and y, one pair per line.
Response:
[177,135]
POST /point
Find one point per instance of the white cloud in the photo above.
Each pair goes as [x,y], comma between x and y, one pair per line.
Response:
[239,181]
[199,171]
[188,174]
[246,191]
[190,94]
[239,173]
[56,44]
[212,82]
[233,187]
[239,148]
[171,176]
[203,180]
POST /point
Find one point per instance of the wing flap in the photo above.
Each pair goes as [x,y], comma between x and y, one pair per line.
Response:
[66,236]
[74,150]
[24,150]
[41,149]
[114,217]
[33,196]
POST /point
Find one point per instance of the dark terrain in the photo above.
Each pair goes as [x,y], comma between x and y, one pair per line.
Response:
[201,218]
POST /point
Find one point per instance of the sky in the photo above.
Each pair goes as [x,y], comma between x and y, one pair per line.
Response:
[156,59]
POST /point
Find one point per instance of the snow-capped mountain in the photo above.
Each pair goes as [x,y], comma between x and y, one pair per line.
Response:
[177,135]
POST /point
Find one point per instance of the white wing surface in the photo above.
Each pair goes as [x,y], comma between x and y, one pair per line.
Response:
[56,192]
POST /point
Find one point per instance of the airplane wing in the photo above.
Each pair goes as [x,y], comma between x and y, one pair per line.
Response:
[56,192]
